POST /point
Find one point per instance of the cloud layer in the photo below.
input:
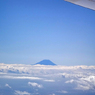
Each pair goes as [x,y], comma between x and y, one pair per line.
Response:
[79,78]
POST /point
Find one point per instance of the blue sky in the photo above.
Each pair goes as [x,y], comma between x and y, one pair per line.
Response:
[33,30]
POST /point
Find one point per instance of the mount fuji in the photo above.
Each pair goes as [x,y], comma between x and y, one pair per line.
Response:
[45,62]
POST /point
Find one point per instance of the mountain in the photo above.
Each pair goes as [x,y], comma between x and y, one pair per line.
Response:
[45,62]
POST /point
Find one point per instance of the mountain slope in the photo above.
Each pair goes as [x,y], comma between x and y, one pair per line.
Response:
[45,62]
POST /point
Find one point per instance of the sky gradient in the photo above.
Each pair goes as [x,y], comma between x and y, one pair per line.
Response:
[33,30]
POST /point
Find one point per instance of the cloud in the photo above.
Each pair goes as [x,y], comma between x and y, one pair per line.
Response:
[32,69]
[17,92]
[83,87]
[86,83]
[62,91]
[70,81]
[90,79]
[21,77]
[83,77]
[35,84]
[49,80]
[7,85]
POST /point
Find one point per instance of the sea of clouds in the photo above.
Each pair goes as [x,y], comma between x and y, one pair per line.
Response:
[55,80]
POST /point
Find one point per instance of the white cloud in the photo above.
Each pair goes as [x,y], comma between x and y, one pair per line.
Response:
[21,77]
[86,83]
[17,92]
[62,91]
[82,76]
[33,69]
[49,80]
[70,81]
[35,84]
[82,87]
[90,79]
[7,85]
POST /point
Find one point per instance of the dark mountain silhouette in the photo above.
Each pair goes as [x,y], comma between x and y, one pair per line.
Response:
[45,62]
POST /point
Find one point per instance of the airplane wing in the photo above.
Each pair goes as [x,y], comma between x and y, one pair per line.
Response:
[85,3]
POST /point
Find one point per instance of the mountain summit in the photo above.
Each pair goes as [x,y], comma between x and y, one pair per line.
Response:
[45,62]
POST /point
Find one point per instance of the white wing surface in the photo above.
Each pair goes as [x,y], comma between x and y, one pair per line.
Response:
[85,3]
